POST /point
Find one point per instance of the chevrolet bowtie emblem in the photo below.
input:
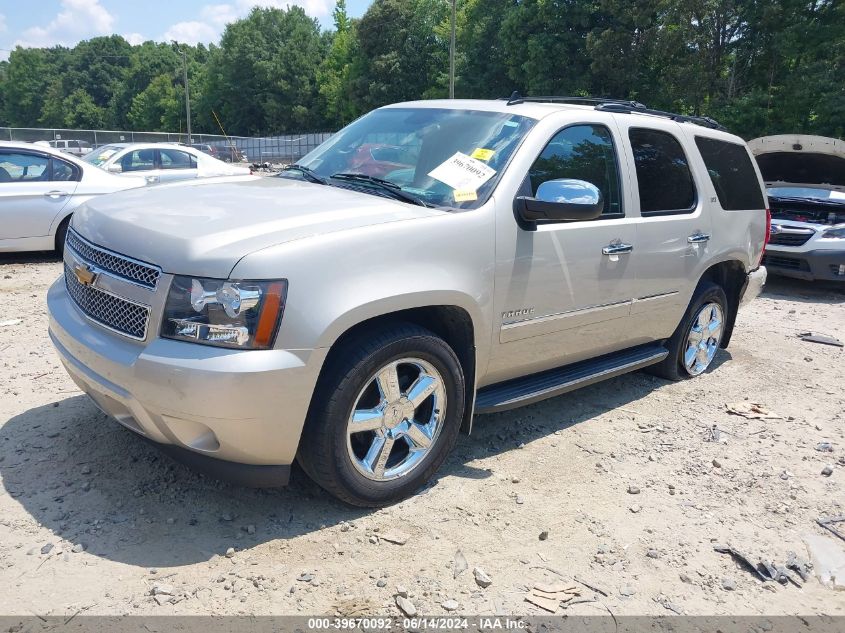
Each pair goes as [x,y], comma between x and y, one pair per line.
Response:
[84,274]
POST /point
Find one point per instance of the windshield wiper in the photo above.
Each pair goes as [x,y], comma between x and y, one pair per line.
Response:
[307,173]
[391,188]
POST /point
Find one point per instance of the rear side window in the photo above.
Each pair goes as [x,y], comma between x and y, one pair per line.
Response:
[731,173]
[62,171]
[174,159]
[663,175]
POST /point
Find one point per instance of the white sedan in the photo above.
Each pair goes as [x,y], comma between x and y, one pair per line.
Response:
[161,162]
[40,187]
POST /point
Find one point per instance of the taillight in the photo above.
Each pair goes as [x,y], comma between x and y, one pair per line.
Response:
[767,236]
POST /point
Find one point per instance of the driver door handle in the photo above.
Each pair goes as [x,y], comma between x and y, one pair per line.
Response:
[56,194]
[698,238]
[617,248]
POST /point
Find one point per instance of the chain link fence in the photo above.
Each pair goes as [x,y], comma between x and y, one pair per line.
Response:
[284,148]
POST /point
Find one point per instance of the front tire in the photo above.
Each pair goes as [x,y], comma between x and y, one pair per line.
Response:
[695,343]
[384,416]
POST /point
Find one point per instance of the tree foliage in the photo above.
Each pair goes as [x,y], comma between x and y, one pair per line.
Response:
[760,67]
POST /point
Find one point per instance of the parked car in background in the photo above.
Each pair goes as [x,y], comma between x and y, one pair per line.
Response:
[74,147]
[40,187]
[226,153]
[161,162]
[505,252]
[805,180]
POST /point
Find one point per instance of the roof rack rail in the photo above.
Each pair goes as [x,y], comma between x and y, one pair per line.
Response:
[516,98]
[617,105]
[704,121]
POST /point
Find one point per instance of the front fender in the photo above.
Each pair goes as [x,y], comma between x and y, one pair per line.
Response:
[340,279]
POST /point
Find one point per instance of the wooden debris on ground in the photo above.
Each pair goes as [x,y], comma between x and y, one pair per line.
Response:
[550,596]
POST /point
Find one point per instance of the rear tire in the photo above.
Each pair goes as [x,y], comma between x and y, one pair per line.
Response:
[698,337]
[61,235]
[384,416]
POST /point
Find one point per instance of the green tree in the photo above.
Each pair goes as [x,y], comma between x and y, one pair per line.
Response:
[262,79]
[481,57]
[400,54]
[147,62]
[157,107]
[335,75]
[98,68]
[759,67]
[30,73]
[544,45]
[80,111]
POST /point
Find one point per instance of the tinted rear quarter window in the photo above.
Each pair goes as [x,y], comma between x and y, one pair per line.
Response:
[663,177]
[731,173]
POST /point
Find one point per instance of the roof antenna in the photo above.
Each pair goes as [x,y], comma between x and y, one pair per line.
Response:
[515,98]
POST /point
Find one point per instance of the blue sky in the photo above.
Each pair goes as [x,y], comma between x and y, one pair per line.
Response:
[51,22]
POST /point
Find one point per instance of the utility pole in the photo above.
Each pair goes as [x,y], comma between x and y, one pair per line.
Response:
[187,90]
[452,54]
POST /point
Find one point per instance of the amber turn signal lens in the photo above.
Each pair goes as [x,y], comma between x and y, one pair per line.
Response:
[271,310]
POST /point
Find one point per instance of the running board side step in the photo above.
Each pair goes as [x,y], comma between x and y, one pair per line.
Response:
[554,382]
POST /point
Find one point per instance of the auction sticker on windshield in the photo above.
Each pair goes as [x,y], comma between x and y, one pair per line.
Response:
[465,196]
[483,154]
[463,173]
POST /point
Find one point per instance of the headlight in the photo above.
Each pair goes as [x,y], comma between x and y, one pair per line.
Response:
[837,233]
[227,313]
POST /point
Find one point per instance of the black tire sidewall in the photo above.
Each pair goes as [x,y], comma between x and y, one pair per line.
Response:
[61,234]
[707,292]
[357,488]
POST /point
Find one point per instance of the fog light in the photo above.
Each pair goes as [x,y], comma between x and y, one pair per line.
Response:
[212,333]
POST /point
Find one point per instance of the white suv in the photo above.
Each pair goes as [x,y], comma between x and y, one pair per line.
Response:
[805,180]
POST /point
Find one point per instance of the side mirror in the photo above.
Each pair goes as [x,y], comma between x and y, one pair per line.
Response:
[563,200]
[114,168]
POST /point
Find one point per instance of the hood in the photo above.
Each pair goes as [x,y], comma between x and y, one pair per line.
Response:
[800,160]
[204,227]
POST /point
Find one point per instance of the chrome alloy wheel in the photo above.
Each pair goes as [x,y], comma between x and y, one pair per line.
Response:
[396,419]
[704,338]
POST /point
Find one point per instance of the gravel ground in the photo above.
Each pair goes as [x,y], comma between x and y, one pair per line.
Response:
[619,486]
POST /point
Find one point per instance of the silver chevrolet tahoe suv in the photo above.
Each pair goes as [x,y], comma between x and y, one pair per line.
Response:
[430,261]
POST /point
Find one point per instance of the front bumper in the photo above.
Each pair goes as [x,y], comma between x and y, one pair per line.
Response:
[236,414]
[822,265]
[755,281]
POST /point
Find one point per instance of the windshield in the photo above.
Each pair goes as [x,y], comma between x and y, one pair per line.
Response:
[805,192]
[442,157]
[101,154]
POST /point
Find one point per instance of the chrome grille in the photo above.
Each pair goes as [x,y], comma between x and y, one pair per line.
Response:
[130,269]
[790,239]
[122,316]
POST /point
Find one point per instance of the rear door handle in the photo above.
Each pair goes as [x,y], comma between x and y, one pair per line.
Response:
[617,248]
[56,194]
[698,238]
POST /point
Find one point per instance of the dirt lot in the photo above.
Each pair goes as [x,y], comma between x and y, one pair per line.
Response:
[91,517]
